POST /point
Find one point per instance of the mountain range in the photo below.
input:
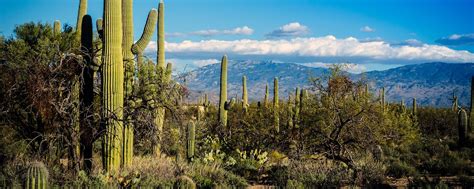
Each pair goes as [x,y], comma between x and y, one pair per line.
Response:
[432,84]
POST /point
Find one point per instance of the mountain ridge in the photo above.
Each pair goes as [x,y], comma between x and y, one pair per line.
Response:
[431,83]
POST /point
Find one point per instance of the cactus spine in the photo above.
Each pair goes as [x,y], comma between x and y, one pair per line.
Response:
[112,85]
[191,137]
[276,118]
[462,127]
[37,176]
[245,101]
[223,92]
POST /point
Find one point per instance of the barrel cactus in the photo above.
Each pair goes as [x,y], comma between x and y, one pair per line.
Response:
[36,176]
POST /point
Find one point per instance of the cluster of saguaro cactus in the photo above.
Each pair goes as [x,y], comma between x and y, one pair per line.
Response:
[191,140]
[36,176]
[223,92]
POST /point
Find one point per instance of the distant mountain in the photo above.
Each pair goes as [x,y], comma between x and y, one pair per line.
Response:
[431,83]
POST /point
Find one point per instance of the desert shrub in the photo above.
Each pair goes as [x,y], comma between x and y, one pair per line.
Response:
[318,173]
[152,171]
[211,175]
[399,169]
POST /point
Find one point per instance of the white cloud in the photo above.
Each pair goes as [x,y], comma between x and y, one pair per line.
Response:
[205,62]
[245,30]
[367,29]
[290,30]
[328,46]
[457,39]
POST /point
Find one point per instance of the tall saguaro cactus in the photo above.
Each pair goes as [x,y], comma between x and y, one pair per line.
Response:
[87,92]
[276,116]
[297,107]
[382,99]
[191,140]
[57,27]
[245,101]
[414,107]
[112,85]
[223,92]
[81,13]
[265,100]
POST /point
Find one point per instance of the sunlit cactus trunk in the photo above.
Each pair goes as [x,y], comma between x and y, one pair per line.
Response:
[81,12]
[160,67]
[223,92]
[276,116]
[245,100]
[57,28]
[290,113]
[265,99]
[128,61]
[191,140]
[382,99]
[297,107]
[112,85]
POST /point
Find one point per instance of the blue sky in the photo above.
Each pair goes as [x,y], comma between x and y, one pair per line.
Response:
[370,33]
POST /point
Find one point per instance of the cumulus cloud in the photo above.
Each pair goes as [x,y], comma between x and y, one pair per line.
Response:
[328,46]
[367,29]
[245,30]
[457,39]
[293,29]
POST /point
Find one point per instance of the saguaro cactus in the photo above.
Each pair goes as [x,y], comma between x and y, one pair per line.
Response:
[191,137]
[36,176]
[245,101]
[265,100]
[297,107]
[129,49]
[290,113]
[462,127]
[303,98]
[80,14]
[223,92]
[57,27]
[112,85]
[160,68]
[87,92]
[276,116]
[382,99]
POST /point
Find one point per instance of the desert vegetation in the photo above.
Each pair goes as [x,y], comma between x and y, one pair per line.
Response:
[83,108]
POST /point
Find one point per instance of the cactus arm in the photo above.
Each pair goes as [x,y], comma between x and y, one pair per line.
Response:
[148,31]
